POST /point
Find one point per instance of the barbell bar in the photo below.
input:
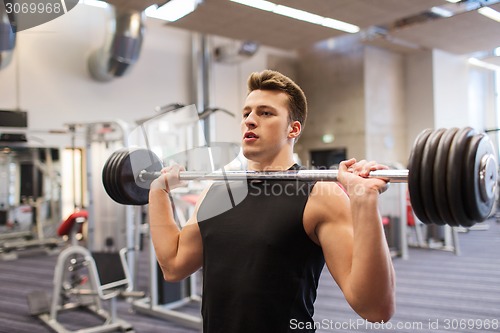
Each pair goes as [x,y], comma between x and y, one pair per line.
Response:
[452,176]
[394,176]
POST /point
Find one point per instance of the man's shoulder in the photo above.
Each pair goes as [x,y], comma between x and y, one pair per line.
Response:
[326,205]
[327,201]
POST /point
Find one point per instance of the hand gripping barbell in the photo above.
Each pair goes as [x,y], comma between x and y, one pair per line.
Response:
[452,176]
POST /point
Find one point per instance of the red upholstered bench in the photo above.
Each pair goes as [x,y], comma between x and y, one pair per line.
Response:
[78,216]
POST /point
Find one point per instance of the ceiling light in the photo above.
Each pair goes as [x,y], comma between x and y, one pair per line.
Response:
[259,4]
[489,13]
[453,1]
[496,52]
[172,10]
[298,14]
[483,64]
[339,25]
[441,12]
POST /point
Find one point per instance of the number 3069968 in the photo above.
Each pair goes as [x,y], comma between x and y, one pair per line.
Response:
[33,8]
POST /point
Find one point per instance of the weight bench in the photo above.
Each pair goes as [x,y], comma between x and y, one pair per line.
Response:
[67,228]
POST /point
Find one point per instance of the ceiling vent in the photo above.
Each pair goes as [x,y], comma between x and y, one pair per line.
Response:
[122,46]
[7,38]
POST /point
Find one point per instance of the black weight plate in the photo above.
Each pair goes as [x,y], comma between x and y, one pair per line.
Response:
[454,176]
[118,178]
[427,176]
[478,207]
[104,174]
[135,190]
[414,173]
[112,175]
[440,169]
[110,171]
[470,178]
[107,173]
[145,160]
[109,182]
[124,177]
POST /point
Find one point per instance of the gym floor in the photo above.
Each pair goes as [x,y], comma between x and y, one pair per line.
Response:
[436,291]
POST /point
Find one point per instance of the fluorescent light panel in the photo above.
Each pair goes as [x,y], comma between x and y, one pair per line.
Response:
[496,52]
[171,11]
[298,14]
[489,13]
[479,63]
[441,12]
[259,4]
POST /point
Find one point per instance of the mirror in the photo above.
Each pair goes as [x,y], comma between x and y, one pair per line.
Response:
[30,191]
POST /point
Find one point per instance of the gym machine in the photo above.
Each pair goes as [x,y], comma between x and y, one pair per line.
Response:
[109,226]
[82,280]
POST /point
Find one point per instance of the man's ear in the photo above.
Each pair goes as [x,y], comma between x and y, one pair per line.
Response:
[295,130]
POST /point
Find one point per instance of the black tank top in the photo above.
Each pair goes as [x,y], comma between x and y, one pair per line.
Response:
[260,268]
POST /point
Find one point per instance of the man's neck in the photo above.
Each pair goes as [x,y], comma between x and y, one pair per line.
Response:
[275,164]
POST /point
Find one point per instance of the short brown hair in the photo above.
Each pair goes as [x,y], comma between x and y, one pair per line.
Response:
[272,80]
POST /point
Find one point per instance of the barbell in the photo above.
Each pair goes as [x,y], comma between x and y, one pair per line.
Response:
[452,176]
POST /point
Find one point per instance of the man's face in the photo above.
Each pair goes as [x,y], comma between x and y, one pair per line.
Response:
[264,125]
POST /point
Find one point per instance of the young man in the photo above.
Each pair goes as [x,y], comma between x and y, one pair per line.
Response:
[263,257]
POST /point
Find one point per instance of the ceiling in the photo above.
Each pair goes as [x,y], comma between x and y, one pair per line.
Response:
[464,33]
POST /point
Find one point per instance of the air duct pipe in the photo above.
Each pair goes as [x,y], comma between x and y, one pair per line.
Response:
[7,38]
[122,46]
[201,80]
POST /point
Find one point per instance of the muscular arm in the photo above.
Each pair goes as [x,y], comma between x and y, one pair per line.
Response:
[179,252]
[350,232]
